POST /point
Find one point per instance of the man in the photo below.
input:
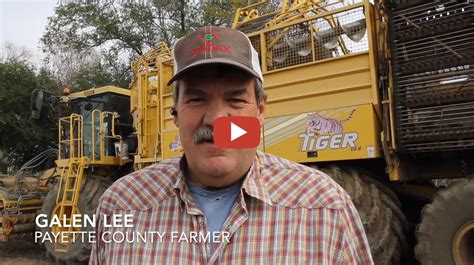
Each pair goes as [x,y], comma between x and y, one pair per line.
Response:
[261,209]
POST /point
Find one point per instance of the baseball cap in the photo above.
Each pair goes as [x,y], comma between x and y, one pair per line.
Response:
[214,44]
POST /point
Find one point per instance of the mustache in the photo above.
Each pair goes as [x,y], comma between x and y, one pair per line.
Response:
[203,135]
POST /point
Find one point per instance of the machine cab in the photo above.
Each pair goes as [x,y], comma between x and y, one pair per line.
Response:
[98,126]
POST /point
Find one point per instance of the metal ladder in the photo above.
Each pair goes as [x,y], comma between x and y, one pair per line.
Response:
[70,185]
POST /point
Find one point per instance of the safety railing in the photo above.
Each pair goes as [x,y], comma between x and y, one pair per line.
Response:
[70,137]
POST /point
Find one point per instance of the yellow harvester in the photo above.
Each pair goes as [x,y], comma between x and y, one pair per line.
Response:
[380,96]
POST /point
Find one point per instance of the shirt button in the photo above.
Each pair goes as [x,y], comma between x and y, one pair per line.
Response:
[229,226]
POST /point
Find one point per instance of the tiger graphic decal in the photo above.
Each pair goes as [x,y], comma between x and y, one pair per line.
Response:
[320,125]
[175,145]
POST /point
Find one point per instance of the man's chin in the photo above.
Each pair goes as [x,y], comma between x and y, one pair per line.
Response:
[211,150]
[217,165]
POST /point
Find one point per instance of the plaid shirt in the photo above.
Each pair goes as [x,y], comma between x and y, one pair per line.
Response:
[286,213]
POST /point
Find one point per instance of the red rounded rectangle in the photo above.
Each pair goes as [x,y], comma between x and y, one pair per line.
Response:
[237,132]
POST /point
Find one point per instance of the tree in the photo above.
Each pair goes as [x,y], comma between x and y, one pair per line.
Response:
[82,26]
[113,34]
[22,138]
[107,71]
[220,13]
[65,64]
[133,27]
[15,54]
[92,44]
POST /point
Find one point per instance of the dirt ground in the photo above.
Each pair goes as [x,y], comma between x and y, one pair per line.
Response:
[22,252]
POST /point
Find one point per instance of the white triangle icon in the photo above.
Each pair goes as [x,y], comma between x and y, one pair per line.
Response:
[236,131]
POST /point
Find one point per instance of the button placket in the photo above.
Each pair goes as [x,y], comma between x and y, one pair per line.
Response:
[202,228]
[201,221]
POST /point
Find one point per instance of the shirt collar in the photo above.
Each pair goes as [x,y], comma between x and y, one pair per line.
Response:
[182,191]
[252,185]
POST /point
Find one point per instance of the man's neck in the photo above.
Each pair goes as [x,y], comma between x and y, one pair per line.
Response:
[214,183]
[213,187]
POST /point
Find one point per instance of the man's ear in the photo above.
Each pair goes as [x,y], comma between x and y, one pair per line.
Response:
[174,113]
[261,110]
[174,109]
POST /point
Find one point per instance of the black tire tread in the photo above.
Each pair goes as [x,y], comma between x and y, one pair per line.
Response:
[450,208]
[379,210]
[91,189]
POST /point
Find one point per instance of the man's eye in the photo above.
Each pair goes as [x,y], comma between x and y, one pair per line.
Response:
[191,100]
[237,100]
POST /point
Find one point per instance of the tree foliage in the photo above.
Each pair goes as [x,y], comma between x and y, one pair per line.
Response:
[131,26]
[82,26]
[89,45]
[108,71]
[88,69]
[117,33]
[22,138]
[15,54]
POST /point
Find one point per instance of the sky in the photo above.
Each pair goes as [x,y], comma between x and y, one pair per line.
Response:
[22,22]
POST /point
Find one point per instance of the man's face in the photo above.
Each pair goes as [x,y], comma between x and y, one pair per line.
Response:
[206,93]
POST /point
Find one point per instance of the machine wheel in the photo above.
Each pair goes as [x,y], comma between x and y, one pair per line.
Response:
[92,188]
[446,232]
[379,209]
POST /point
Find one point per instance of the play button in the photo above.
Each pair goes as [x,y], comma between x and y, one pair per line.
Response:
[237,132]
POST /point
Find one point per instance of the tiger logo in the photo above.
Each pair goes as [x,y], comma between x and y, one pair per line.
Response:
[321,125]
[175,145]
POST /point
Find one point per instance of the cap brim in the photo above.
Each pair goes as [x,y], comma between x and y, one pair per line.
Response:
[242,66]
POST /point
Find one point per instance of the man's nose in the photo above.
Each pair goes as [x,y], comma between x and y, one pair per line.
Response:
[215,109]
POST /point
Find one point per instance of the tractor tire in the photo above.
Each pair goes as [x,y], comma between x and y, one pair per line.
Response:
[445,220]
[91,190]
[379,209]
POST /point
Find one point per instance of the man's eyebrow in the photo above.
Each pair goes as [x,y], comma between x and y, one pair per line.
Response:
[192,91]
[237,92]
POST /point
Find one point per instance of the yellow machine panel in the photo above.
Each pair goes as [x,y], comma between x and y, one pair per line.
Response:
[150,103]
[172,144]
[100,90]
[327,135]
[333,83]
